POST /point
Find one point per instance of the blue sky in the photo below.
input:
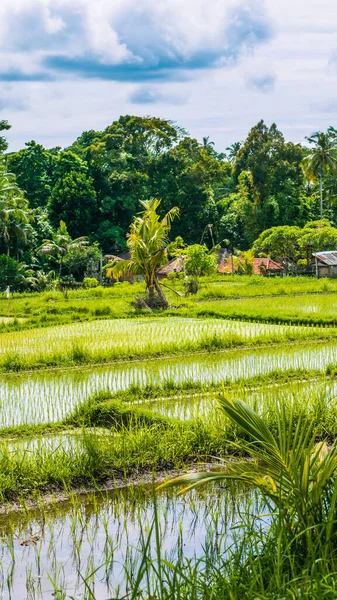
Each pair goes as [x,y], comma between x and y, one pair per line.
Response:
[215,67]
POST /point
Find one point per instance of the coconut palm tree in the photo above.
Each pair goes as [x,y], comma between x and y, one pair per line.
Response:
[13,209]
[60,244]
[295,475]
[147,243]
[233,150]
[321,158]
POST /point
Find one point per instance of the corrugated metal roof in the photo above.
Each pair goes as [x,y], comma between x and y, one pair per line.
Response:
[328,258]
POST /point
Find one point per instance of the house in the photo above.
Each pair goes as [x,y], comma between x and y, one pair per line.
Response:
[325,263]
[261,266]
[109,258]
[176,265]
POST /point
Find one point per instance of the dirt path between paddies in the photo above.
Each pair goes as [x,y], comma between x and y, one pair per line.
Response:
[147,478]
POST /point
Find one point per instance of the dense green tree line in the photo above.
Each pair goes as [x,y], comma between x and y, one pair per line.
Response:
[94,187]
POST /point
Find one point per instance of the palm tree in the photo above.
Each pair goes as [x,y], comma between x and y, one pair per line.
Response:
[233,150]
[60,244]
[295,474]
[147,243]
[13,209]
[322,158]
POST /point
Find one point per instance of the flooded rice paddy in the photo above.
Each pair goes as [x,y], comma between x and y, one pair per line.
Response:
[49,396]
[48,553]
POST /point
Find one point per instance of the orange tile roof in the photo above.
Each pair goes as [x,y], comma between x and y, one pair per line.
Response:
[270,265]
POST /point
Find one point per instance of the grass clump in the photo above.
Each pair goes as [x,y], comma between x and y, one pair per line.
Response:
[117,415]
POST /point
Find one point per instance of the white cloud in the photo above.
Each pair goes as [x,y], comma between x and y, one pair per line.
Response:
[296,65]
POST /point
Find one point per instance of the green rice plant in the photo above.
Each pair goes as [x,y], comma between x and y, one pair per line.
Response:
[105,341]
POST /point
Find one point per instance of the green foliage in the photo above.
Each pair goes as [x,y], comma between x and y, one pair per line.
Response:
[279,242]
[13,212]
[90,282]
[12,274]
[95,185]
[61,245]
[73,200]
[4,126]
[147,243]
[295,243]
[80,259]
[199,261]
[34,170]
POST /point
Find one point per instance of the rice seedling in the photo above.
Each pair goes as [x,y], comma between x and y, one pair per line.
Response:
[97,424]
[104,341]
[103,536]
[49,396]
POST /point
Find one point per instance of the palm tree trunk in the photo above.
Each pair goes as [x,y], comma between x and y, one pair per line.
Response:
[151,300]
[160,292]
[321,194]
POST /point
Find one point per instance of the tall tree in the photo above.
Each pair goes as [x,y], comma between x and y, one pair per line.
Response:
[4,126]
[13,209]
[321,158]
[60,245]
[73,200]
[34,167]
[147,243]
[277,175]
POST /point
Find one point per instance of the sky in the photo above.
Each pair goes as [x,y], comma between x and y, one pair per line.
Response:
[215,67]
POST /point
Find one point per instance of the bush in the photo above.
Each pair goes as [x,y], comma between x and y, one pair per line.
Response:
[199,261]
[12,274]
[90,282]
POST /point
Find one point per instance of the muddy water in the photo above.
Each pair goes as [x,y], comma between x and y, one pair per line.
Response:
[52,550]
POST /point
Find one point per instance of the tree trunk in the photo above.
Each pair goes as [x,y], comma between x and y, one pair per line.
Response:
[151,300]
[160,293]
[321,193]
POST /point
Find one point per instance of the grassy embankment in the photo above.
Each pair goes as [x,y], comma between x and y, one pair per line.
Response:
[220,296]
[132,432]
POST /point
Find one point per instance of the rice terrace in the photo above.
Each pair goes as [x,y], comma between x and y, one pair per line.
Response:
[99,409]
[168,300]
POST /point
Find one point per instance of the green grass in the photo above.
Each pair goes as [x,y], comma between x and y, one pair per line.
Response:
[120,437]
[164,418]
[218,296]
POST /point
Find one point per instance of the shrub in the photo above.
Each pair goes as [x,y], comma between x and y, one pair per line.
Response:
[90,282]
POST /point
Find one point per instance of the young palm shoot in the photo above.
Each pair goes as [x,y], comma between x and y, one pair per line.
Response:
[147,243]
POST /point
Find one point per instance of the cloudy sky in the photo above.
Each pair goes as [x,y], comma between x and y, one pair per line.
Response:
[215,67]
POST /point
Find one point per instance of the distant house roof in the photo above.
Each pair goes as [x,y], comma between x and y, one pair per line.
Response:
[176,265]
[327,258]
[125,255]
[111,257]
[268,263]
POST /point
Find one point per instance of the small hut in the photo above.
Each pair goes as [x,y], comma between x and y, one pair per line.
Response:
[176,265]
[325,263]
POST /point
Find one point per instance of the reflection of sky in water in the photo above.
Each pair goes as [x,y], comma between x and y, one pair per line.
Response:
[82,538]
[42,397]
